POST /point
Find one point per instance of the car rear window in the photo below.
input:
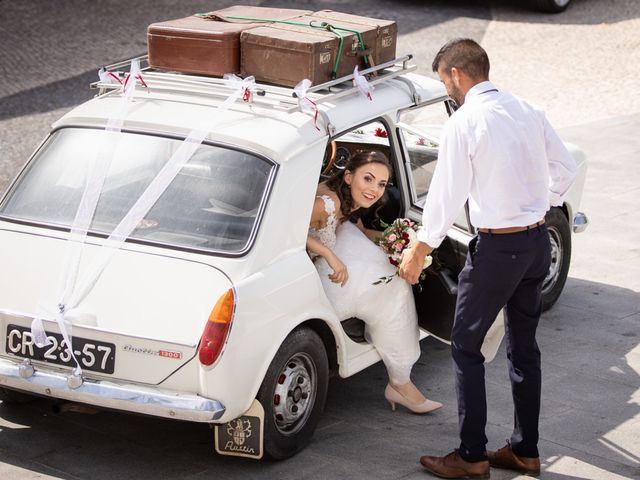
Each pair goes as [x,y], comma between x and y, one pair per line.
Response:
[213,203]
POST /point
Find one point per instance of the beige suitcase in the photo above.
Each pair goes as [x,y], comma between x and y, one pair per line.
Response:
[309,47]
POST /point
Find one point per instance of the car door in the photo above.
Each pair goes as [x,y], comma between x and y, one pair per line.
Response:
[418,131]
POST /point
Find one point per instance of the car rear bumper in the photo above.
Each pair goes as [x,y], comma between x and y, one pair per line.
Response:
[580,222]
[27,378]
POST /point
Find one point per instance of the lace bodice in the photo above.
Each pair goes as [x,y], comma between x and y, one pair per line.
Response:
[327,234]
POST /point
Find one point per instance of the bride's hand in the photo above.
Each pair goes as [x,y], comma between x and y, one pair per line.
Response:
[340,274]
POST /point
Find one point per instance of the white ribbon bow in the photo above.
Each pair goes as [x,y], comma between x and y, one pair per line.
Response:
[106,76]
[306,105]
[245,87]
[362,84]
[134,71]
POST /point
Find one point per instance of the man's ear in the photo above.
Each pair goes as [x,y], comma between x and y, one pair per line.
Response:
[455,76]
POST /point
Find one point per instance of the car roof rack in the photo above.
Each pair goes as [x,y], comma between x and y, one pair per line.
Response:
[273,95]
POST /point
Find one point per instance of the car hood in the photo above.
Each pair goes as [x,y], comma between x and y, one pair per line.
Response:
[143,302]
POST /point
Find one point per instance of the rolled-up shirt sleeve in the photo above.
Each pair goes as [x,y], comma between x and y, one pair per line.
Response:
[562,166]
[450,185]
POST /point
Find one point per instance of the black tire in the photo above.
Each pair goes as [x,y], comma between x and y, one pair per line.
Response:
[560,237]
[11,396]
[299,373]
[550,6]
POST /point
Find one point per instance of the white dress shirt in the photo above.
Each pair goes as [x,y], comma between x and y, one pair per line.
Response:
[502,155]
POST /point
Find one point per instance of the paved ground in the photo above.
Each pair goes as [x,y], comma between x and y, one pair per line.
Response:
[582,66]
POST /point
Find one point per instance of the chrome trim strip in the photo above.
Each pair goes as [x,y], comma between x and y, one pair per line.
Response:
[580,222]
[118,396]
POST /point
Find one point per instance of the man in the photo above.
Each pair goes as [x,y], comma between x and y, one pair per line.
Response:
[501,155]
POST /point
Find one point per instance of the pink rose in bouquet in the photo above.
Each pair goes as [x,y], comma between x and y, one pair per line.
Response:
[395,239]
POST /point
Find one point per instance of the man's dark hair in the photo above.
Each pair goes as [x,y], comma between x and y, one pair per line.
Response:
[464,54]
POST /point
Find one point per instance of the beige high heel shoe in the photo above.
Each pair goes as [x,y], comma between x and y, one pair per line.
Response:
[393,396]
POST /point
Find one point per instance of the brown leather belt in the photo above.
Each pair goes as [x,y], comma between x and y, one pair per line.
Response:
[500,231]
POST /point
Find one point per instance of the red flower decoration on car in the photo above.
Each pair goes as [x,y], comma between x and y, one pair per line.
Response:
[381,133]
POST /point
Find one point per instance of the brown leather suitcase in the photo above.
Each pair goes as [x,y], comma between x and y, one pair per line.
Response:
[287,53]
[382,35]
[284,54]
[204,45]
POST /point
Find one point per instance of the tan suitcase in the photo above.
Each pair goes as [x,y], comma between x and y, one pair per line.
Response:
[286,53]
[203,45]
[283,55]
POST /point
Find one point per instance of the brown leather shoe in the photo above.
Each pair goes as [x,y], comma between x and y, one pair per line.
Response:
[454,466]
[505,458]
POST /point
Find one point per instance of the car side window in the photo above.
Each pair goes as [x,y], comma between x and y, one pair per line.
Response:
[419,130]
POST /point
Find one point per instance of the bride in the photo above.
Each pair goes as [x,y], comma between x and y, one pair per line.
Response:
[349,262]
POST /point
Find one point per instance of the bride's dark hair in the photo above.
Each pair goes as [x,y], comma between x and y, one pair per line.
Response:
[337,184]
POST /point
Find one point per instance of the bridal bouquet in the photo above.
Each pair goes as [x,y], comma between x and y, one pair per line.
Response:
[395,239]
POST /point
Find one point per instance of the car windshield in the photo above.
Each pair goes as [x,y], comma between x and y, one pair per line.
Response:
[213,203]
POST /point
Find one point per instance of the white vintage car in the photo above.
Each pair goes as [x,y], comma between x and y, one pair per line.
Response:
[207,307]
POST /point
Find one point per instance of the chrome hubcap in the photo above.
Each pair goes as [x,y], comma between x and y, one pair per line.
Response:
[557,254]
[294,394]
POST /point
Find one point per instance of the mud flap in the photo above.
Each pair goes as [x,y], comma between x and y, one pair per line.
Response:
[242,436]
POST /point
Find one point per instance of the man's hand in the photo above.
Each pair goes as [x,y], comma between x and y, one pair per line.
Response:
[413,261]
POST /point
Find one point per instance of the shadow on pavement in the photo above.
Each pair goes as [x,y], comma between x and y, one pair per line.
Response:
[52,96]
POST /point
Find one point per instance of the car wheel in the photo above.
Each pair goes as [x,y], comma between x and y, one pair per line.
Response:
[293,393]
[550,6]
[560,238]
[11,396]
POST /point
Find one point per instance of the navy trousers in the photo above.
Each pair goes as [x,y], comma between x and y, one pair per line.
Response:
[501,270]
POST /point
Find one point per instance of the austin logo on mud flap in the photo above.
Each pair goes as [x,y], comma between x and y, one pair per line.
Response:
[242,436]
[239,430]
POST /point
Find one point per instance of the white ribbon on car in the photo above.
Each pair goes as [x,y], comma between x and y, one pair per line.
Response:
[72,292]
[108,77]
[362,84]
[244,86]
[97,171]
[306,105]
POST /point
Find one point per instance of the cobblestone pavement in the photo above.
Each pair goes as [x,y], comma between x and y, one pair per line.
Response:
[582,66]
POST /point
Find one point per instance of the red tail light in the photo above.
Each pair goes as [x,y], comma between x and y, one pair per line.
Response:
[217,328]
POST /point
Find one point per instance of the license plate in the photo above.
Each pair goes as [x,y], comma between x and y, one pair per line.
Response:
[91,354]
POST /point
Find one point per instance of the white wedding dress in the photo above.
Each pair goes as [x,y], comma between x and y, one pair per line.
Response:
[388,309]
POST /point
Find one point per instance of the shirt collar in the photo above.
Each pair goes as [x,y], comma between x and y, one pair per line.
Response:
[479,89]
